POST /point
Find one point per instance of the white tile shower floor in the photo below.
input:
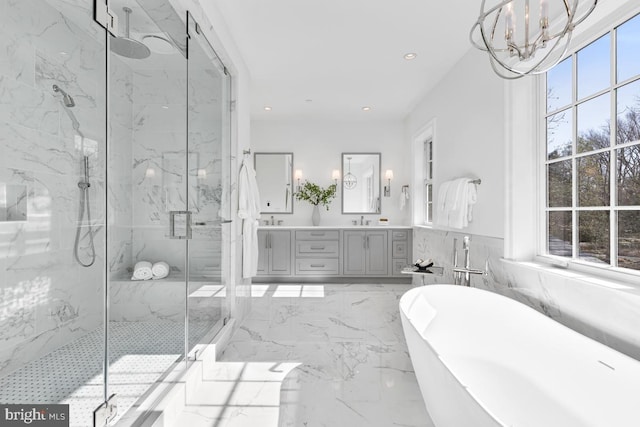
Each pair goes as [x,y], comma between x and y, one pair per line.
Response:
[140,353]
[313,355]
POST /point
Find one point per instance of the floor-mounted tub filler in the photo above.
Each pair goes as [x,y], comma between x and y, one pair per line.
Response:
[482,359]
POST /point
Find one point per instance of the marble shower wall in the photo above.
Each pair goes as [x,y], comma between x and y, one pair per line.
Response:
[605,311]
[159,128]
[120,192]
[157,185]
[158,158]
[46,298]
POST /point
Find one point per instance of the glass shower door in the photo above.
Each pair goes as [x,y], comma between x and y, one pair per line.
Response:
[147,197]
[208,139]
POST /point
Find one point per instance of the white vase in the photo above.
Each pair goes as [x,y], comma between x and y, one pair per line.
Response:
[315,216]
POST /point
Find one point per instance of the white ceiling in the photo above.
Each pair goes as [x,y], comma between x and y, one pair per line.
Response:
[345,54]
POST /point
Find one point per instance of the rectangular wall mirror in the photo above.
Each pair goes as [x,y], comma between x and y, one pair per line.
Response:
[274,173]
[361,183]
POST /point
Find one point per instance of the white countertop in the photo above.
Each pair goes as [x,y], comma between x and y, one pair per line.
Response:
[334,227]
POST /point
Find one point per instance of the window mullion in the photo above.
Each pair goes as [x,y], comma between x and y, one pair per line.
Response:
[575,241]
[613,160]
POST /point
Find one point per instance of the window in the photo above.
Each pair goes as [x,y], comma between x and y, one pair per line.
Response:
[592,159]
[428,181]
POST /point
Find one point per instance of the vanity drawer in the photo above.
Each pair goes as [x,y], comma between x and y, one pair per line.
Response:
[318,235]
[398,265]
[329,248]
[310,266]
[399,249]
[400,235]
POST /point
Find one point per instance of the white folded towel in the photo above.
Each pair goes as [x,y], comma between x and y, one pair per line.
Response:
[142,271]
[160,270]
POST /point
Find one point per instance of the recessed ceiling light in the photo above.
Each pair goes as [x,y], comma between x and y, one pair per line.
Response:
[410,56]
[267,108]
[366,108]
[166,107]
[63,53]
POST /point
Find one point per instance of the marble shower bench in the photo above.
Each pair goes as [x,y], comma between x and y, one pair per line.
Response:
[143,300]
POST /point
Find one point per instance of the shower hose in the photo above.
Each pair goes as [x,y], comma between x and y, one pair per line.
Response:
[84,207]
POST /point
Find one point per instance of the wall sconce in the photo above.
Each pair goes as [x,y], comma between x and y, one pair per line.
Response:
[298,175]
[388,175]
[335,175]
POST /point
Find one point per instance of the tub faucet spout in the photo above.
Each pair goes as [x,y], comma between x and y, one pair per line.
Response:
[465,248]
[462,275]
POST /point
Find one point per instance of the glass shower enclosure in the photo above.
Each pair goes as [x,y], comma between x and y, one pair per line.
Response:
[115,154]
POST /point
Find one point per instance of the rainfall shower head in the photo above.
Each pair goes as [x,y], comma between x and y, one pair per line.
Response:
[66,98]
[126,46]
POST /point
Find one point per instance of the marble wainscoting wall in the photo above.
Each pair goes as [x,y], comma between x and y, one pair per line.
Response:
[604,310]
[46,298]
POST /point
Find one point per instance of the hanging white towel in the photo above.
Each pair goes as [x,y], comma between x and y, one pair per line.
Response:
[472,198]
[249,211]
[455,203]
[142,271]
[459,203]
[442,211]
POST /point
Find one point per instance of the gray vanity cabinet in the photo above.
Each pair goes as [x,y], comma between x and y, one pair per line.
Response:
[365,253]
[317,253]
[274,256]
[311,254]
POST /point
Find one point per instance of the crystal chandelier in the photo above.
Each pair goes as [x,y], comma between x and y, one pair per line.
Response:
[521,38]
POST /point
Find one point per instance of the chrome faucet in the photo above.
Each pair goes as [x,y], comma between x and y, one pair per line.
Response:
[272,221]
[465,248]
[361,219]
[462,276]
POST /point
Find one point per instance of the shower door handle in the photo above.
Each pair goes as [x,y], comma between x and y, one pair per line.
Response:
[180,225]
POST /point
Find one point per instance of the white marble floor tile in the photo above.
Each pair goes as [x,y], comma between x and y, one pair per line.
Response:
[329,356]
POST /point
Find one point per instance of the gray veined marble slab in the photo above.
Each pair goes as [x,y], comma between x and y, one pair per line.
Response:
[333,356]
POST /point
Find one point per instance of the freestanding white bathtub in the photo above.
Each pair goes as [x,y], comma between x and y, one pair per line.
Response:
[482,359]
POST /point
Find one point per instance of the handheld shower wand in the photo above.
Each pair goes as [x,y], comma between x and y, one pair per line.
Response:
[83,185]
[84,206]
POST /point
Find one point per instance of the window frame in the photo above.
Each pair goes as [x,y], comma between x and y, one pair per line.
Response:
[428,163]
[425,132]
[610,270]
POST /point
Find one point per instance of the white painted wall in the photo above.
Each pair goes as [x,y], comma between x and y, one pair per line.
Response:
[317,147]
[467,107]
